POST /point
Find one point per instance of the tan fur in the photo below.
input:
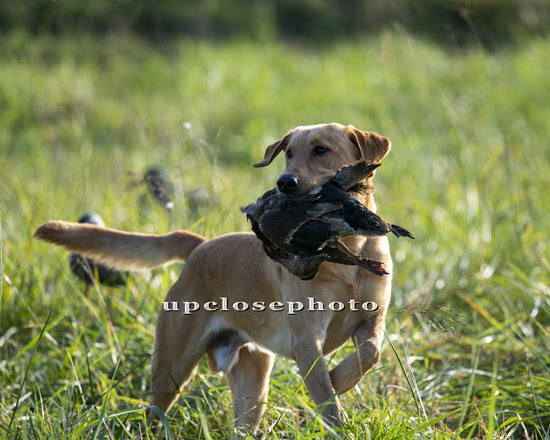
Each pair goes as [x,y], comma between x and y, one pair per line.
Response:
[117,249]
[235,266]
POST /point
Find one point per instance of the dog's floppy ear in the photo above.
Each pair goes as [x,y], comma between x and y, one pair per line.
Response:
[373,147]
[272,151]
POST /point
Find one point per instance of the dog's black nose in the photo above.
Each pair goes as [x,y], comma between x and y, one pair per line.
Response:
[287,183]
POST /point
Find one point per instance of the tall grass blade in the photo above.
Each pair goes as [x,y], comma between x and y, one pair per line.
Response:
[469,391]
[24,381]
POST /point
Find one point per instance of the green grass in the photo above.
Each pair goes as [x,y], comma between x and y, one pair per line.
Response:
[81,118]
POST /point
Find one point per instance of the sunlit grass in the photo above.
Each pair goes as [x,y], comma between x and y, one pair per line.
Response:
[82,118]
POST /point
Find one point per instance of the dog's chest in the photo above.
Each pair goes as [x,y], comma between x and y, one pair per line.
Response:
[338,332]
[280,342]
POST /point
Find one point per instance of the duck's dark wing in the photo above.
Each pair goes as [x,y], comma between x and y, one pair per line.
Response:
[250,209]
[320,208]
[283,218]
[304,266]
[350,175]
[256,229]
[256,209]
[366,222]
[361,219]
[312,235]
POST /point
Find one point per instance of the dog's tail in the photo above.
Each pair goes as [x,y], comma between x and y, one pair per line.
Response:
[118,249]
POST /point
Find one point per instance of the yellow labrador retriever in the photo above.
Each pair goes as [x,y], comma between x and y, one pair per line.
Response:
[241,308]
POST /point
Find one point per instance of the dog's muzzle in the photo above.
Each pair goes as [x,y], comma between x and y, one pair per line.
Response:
[288,184]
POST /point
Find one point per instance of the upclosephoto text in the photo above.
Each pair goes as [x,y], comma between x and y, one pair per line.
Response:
[288,307]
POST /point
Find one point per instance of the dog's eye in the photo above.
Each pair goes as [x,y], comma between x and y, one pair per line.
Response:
[318,150]
[288,154]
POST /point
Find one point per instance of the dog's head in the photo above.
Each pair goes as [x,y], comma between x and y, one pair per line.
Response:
[316,152]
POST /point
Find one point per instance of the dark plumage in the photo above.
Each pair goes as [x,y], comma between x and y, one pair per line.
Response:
[86,268]
[160,186]
[302,232]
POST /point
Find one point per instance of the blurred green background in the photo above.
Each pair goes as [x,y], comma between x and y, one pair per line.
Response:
[450,21]
[93,94]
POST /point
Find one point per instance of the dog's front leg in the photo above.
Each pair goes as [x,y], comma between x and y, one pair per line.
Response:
[368,339]
[307,350]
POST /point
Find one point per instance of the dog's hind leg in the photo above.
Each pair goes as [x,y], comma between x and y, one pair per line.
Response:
[249,384]
[178,350]
[168,379]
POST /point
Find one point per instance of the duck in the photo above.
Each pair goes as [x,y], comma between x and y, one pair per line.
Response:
[303,265]
[303,232]
[159,185]
[85,269]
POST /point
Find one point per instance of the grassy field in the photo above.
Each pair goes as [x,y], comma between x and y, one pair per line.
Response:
[467,353]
